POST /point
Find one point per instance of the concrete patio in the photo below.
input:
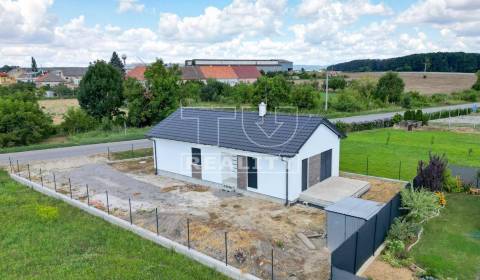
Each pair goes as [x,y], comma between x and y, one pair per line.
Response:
[332,190]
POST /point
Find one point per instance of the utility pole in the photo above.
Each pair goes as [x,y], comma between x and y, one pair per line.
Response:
[326,89]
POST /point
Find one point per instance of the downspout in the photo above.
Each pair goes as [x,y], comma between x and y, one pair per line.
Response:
[155,155]
[286,180]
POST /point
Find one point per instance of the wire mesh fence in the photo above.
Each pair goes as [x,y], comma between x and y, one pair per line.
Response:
[216,242]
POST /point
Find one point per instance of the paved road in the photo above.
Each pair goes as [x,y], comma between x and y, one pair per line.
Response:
[88,150]
[85,150]
[381,116]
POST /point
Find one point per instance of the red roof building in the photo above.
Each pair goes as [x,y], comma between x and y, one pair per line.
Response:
[137,73]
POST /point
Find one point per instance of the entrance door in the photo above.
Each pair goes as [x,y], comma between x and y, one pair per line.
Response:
[304,174]
[326,165]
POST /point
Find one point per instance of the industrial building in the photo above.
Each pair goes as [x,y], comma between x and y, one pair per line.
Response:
[265,65]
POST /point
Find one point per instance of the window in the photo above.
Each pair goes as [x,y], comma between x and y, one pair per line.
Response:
[196,156]
[252,172]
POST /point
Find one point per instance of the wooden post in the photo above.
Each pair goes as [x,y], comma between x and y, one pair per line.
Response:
[108,206]
[156,216]
[130,210]
[88,197]
[41,177]
[70,186]
[188,233]
[226,250]
[29,177]
[54,182]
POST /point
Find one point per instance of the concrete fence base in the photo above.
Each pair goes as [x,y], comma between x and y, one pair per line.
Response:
[208,261]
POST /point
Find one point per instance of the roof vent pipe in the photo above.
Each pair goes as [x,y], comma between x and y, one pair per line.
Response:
[262,109]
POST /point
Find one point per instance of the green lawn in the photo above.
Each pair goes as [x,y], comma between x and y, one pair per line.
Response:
[406,146]
[43,238]
[92,137]
[450,245]
[131,154]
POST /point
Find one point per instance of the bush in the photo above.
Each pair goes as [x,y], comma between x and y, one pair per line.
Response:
[303,96]
[403,230]
[22,123]
[476,86]
[397,118]
[348,100]
[420,204]
[76,121]
[433,175]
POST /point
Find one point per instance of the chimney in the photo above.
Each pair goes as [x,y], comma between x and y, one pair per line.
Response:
[262,109]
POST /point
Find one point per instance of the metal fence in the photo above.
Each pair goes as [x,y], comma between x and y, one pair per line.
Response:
[361,245]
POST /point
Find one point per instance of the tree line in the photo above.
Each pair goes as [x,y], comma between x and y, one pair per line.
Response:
[432,62]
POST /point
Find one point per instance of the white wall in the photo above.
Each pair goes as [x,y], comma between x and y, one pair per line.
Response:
[323,139]
[176,157]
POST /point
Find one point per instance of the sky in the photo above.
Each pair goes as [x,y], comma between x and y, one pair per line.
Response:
[309,32]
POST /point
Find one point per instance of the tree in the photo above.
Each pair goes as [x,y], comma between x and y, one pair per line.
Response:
[337,83]
[389,88]
[366,88]
[303,96]
[274,91]
[476,86]
[100,92]
[214,90]
[158,99]
[116,62]
[22,122]
[77,120]
[34,65]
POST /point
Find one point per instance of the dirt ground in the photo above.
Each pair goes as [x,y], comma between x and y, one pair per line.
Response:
[254,225]
[57,107]
[434,83]
[380,190]
[380,270]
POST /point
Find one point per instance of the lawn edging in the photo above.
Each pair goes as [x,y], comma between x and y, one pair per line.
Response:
[206,260]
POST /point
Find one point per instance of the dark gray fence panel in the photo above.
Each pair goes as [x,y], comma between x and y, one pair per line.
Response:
[383,222]
[343,257]
[365,243]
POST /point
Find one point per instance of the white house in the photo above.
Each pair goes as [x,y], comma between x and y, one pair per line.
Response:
[276,155]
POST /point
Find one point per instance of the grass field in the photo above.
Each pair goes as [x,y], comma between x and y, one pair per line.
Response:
[42,238]
[450,245]
[91,137]
[57,107]
[434,83]
[386,148]
[132,154]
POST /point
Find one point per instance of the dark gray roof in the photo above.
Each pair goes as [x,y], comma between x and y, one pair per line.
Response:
[281,134]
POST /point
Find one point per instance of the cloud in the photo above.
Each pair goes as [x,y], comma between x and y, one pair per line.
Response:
[327,18]
[25,20]
[130,5]
[459,16]
[245,18]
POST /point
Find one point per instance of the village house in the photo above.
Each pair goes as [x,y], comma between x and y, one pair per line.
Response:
[275,155]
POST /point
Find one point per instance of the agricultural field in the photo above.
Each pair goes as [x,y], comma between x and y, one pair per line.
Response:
[394,153]
[434,83]
[57,107]
[43,238]
[450,245]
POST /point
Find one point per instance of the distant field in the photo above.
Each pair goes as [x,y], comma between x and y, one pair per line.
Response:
[434,83]
[57,107]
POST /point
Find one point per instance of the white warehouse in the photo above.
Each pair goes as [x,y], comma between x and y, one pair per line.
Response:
[277,155]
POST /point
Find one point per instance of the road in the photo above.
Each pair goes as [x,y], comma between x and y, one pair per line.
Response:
[87,150]
[381,116]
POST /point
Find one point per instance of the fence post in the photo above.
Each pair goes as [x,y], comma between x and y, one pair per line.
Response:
[18,167]
[272,265]
[156,215]
[367,165]
[108,207]
[108,153]
[399,170]
[188,233]
[41,177]
[88,197]
[11,166]
[226,250]
[70,186]
[130,210]
[28,168]
[132,151]
[374,235]
[54,182]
